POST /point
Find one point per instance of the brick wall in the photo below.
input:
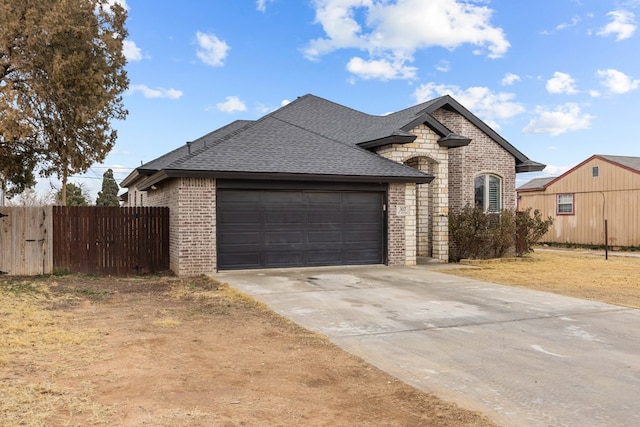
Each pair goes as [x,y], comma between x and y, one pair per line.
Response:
[397,215]
[427,205]
[192,222]
[482,155]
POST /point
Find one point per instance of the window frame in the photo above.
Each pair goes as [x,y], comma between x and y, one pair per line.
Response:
[572,204]
[487,179]
[595,171]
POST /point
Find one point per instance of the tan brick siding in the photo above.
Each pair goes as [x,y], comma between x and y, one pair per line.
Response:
[482,155]
[192,223]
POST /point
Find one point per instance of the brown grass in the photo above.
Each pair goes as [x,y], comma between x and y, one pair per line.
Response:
[582,275]
[167,351]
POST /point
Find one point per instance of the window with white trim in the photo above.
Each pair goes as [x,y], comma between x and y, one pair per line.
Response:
[564,204]
[488,192]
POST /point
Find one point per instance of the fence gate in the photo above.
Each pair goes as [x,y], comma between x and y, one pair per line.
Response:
[110,240]
[25,240]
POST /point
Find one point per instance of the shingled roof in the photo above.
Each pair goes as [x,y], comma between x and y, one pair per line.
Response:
[311,139]
[628,162]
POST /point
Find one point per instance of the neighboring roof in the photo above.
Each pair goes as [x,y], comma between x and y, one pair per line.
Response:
[313,138]
[626,162]
[535,184]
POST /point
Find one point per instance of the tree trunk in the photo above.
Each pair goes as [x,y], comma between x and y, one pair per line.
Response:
[63,194]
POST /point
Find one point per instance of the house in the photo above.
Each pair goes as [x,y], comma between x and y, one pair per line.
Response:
[601,188]
[317,183]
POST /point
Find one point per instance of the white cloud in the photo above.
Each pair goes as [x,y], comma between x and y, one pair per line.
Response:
[147,92]
[623,25]
[131,51]
[565,118]
[510,79]
[481,101]
[261,5]
[563,26]
[556,170]
[616,81]
[443,66]
[397,29]
[380,69]
[213,51]
[561,83]
[233,104]
[574,21]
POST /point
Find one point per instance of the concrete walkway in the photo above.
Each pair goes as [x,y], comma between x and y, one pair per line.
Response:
[523,358]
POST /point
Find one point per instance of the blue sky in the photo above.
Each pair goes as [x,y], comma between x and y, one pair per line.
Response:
[559,79]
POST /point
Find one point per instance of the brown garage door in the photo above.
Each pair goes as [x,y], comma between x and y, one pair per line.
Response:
[279,228]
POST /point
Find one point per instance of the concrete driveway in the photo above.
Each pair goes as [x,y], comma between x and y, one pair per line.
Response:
[523,358]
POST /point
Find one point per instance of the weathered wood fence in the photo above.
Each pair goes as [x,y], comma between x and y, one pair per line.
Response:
[26,246]
[91,240]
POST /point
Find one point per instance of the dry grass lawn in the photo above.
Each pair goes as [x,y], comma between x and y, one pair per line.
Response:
[164,351]
[573,273]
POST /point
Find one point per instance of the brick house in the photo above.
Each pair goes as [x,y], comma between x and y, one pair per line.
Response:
[317,183]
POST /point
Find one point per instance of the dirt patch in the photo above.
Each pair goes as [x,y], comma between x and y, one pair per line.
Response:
[165,351]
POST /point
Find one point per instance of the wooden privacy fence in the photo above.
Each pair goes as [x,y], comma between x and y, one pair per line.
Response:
[25,241]
[91,240]
[110,241]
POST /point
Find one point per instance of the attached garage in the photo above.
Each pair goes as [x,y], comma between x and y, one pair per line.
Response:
[288,227]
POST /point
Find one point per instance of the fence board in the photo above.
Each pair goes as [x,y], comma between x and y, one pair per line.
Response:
[111,240]
[26,244]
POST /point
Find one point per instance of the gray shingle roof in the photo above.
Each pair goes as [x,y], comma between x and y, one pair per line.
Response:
[536,184]
[626,161]
[310,137]
[195,145]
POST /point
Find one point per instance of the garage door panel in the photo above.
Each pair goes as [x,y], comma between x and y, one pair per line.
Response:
[334,236]
[284,217]
[283,259]
[286,198]
[324,217]
[280,228]
[240,238]
[283,238]
[240,217]
[363,218]
[325,257]
[241,260]
[359,256]
[228,197]
[362,237]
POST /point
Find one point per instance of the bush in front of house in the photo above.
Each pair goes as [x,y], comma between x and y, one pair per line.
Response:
[474,234]
[530,227]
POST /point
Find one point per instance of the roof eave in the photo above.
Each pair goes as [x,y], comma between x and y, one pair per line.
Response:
[529,166]
[388,140]
[454,141]
[165,174]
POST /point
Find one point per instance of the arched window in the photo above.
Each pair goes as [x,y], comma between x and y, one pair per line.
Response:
[488,192]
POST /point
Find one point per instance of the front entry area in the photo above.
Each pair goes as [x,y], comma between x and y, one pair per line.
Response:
[295,228]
